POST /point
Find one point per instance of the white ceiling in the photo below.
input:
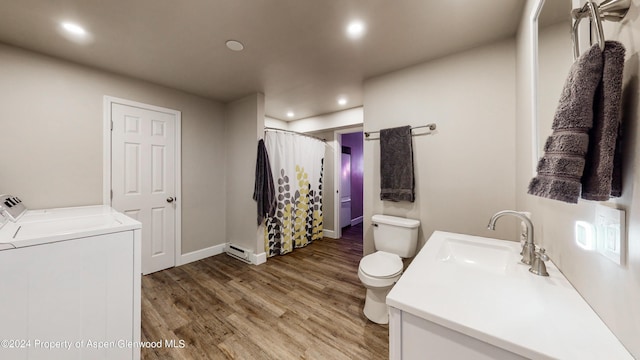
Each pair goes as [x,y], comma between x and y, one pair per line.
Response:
[296,51]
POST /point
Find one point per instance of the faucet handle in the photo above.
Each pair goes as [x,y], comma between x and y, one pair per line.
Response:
[538,266]
[541,253]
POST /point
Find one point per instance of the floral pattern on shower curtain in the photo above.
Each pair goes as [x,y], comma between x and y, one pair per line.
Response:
[297,166]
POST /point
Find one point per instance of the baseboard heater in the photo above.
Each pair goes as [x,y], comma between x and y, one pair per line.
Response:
[238,252]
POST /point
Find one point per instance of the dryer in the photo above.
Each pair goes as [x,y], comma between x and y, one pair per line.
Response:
[71,281]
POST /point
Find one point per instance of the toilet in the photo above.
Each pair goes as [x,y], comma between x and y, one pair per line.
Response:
[394,238]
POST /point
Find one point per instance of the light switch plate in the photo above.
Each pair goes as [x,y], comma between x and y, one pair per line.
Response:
[610,233]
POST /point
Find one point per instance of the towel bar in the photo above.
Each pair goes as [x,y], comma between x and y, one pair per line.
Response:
[430,126]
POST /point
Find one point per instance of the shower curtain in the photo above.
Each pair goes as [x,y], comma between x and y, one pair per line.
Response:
[296,165]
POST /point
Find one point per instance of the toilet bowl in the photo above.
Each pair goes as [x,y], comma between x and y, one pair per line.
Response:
[379,272]
[394,238]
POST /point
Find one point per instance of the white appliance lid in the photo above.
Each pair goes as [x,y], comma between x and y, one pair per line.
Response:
[63,224]
[381,264]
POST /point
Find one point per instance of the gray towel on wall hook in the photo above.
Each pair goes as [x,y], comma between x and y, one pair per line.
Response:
[562,165]
[396,165]
[264,190]
[599,171]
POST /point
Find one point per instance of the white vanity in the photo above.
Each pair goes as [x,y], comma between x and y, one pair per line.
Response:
[469,297]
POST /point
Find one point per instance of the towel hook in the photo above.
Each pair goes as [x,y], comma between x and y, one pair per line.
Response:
[588,10]
[612,10]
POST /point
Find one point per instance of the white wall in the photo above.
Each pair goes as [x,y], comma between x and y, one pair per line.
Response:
[275,123]
[244,125]
[612,291]
[463,173]
[336,120]
[51,154]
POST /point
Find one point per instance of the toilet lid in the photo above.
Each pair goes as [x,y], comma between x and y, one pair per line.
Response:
[381,264]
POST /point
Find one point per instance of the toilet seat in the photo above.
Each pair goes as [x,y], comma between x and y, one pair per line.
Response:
[381,265]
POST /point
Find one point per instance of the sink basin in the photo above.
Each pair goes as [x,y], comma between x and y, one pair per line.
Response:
[475,255]
[477,287]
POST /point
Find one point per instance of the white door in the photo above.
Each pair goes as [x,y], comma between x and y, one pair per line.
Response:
[143,181]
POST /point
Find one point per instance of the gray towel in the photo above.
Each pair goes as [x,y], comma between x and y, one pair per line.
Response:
[264,191]
[599,166]
[396,165]
[616,177]
[562,166]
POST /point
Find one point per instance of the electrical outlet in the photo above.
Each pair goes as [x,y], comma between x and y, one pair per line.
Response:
[610,233]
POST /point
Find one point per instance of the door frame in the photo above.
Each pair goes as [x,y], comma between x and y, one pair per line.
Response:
[108,101]
[337,168]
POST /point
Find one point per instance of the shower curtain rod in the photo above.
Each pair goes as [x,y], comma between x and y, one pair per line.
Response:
[430,126]
[294,132]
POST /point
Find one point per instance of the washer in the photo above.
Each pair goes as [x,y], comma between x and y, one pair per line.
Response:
[71,281]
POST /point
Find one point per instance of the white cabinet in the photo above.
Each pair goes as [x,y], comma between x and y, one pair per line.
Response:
[411,337]
[73,299]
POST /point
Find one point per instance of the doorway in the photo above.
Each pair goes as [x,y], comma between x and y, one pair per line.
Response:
[142,175]
[351,165]
[345,187]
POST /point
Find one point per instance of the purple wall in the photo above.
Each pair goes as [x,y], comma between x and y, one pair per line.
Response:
[355,141]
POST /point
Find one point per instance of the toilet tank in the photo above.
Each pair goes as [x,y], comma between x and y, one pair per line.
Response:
[395,235]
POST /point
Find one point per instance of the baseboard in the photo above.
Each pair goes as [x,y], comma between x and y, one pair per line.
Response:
[257,259]
[201,254]
[329,233]
[356,221]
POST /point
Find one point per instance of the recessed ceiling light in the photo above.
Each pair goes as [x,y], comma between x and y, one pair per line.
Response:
[235,45]
[75,33]
[355,29]
[290,114]
[342,101]
[74,29]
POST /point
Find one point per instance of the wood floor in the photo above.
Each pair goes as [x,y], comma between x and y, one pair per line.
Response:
[304,305]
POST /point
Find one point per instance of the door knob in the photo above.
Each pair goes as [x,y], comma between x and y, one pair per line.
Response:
[170,199]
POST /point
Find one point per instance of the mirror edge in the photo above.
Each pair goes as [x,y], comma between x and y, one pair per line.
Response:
[533,33]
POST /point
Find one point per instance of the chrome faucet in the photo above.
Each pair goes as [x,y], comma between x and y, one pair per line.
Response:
[528,248]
